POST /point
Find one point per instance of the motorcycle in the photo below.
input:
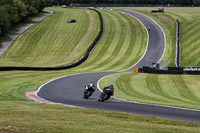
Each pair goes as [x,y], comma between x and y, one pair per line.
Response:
[88,91]
[106,94]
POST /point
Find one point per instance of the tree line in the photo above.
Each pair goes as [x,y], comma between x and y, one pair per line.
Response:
[13,12]
[138,2]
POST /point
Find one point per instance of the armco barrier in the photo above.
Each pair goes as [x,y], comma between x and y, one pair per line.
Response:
[157,71]
[172,70]
[177,52]
[85,56]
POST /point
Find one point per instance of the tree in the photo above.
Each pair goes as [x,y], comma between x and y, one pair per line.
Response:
[4,20]
[13,14]
[0,31]
[22,9]
[4,2]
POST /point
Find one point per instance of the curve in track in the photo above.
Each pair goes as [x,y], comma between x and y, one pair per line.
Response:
[68,90]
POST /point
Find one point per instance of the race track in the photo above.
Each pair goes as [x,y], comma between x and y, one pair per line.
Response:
[69,89]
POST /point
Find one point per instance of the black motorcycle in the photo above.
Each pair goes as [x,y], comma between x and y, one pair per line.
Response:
[106,94]
[89,89]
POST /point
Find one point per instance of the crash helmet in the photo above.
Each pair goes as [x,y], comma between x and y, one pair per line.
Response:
[92,85]
[111,87]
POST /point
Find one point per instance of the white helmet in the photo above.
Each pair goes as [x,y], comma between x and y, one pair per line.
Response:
[92,85]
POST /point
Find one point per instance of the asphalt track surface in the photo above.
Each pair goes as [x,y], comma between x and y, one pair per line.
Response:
[68,90]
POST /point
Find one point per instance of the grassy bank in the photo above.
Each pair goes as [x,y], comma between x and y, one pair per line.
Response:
[39,118]
[123,43]
[53,41]
[172,90]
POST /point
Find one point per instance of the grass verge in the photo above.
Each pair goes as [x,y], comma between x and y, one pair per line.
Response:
[53,41]
[172,90]
[39,118]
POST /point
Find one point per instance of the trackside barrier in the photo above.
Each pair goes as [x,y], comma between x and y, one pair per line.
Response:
[84,57]
[177,56]
[159,10]
[157,71]
[171,70]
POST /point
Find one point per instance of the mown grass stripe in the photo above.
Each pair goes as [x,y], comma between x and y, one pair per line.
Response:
[117,50]
[133,41]
[125,45]
[189,26]
[116,33]
[191,56]
[189,43]
[105,44]
[139,47]
[157,88]
[189,48]
[194,60]
[131,91]
[184,89]
[102,46]
[194,37]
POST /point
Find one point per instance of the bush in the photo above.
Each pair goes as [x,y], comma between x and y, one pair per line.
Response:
[4,20]
[12,13]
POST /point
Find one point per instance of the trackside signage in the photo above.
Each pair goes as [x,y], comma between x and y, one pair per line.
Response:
[191,69]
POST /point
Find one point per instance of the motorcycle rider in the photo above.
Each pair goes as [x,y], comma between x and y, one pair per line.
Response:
[89,89]
[105,89]
[107,93]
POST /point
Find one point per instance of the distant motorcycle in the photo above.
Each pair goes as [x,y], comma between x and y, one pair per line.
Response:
[89,89]
[106,94]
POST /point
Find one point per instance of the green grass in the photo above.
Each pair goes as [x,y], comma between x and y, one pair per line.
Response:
[53,41]
[172,90]
[121,45]
[14,85]
[26,117]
